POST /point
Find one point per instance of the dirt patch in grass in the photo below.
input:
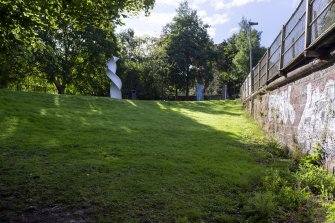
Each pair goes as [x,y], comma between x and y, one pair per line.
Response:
[49,215]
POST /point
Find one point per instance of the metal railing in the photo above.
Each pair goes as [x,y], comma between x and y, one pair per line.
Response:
[310,22]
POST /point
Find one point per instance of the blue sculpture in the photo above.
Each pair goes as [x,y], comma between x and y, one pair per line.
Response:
[200,89]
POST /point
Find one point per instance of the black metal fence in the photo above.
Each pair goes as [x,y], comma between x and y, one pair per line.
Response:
[311,21]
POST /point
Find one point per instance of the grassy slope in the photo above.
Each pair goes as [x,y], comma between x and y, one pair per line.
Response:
[74,157]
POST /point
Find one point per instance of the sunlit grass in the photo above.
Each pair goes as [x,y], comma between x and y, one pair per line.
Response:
[125,161]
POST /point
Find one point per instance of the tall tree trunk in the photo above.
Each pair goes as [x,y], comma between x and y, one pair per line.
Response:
[176,93]
[162,91]
[60,87]
[61,90]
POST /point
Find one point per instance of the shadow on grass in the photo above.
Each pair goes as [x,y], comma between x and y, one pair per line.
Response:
[88,159]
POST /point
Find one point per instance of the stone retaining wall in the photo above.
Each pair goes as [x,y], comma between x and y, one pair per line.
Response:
[301,113]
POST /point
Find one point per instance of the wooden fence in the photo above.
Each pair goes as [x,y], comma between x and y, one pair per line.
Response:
[312,21]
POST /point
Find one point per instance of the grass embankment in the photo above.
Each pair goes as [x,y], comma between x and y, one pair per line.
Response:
[94,159]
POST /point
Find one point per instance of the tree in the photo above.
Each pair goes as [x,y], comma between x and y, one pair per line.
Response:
[18,38]
[131,63]
[60,31]
[144,65]
[233,57]
[157,69]
[188,48]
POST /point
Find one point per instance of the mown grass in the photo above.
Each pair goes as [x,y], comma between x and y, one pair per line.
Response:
[90,159]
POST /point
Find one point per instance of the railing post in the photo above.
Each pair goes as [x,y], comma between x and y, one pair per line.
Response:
[249,85]
[267,65]
[259,75]
[253,81]
[248,88]
[308,23]
[282,49]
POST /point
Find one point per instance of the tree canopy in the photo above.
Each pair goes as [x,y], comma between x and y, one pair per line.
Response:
[189,48]
[233,56]
[67,43]
[60,38]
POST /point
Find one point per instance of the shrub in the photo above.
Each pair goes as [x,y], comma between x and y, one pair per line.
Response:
[262,207]
[317,179]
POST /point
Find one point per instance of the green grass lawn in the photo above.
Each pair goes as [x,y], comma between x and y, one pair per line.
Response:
[90,159]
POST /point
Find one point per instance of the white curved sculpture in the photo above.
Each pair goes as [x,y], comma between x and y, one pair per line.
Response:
[116,85]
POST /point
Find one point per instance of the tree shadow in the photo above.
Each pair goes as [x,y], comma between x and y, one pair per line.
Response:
[121,161]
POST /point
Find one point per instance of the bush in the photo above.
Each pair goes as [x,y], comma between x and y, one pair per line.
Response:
[262,207]
[305,193]
[331,213]
[316,179]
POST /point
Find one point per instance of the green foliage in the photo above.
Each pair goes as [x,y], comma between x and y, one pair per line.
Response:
[317,158]
[316,179]
[331,213]
[276,150]
[67,41]
[304,195]
[262,207]
[143,66]
[233,56]
[189,49]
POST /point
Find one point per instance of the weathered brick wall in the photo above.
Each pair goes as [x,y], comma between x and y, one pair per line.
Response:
[301,113]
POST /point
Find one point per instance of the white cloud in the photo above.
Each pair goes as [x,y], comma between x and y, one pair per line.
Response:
[155,18]
[234,30]
[202,13]
[160,18]
[196,3]
[151,25]
[211,32]
[216,19]
[228,4]
[174,3]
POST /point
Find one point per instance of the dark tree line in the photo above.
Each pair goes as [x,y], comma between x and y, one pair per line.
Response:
[67,43]
[185,55]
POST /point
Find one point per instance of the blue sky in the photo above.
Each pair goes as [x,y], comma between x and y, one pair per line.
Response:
[222,15]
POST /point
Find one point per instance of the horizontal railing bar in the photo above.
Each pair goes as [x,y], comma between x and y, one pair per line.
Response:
[296,24]
[293,60]
[294,13]
[274,51]
[322,11]
[263,74]
[274,64]
[295,41]
[262,67]
[275,40]
[266,70]
[322,35]
[274,54]
[263,56]
[278,47]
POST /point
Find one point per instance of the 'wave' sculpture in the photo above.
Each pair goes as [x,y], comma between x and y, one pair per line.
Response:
[116,85]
